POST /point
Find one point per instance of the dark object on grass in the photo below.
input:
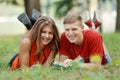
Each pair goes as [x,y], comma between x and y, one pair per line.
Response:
[12,59]
[23,18]
[35,15]
[29,22]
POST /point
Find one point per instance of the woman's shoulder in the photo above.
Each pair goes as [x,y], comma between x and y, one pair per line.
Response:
[26,41]
[25,46]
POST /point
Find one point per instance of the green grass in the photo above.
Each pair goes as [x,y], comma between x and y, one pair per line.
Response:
[9,46]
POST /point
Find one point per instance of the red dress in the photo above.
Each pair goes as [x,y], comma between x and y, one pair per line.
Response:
[33,57]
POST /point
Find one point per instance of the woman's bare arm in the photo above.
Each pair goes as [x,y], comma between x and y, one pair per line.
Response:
[24,52]
[50,58]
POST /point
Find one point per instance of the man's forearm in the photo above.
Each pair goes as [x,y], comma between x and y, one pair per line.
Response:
[89,65]
[62,58]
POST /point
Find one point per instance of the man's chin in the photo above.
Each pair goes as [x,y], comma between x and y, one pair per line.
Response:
[72,41]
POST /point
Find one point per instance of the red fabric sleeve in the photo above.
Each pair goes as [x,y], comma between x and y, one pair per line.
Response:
[64,45]
[95,44]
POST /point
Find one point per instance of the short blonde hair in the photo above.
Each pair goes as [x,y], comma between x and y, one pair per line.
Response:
[72,17]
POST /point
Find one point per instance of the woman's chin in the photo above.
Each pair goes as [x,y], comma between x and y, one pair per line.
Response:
[45,43]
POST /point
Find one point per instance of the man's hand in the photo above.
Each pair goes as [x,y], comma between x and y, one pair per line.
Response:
[67,62]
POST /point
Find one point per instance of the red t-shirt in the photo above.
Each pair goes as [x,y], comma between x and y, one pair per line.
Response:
[92,44]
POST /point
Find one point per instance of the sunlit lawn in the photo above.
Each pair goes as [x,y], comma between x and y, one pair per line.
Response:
[9,46]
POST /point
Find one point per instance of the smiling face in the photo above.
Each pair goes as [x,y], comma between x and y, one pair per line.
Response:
[46,35]
[74,33]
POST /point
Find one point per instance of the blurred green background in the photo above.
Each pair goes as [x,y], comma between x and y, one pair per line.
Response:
[12,31]
[56,9]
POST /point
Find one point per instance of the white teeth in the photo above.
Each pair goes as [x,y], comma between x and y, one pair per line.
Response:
[71,37]
[46,40]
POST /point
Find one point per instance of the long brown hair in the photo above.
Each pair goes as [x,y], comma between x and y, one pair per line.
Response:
[36,31]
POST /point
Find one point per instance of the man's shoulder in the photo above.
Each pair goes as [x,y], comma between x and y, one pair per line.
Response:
[63,35]
[91,33]
[64,38]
